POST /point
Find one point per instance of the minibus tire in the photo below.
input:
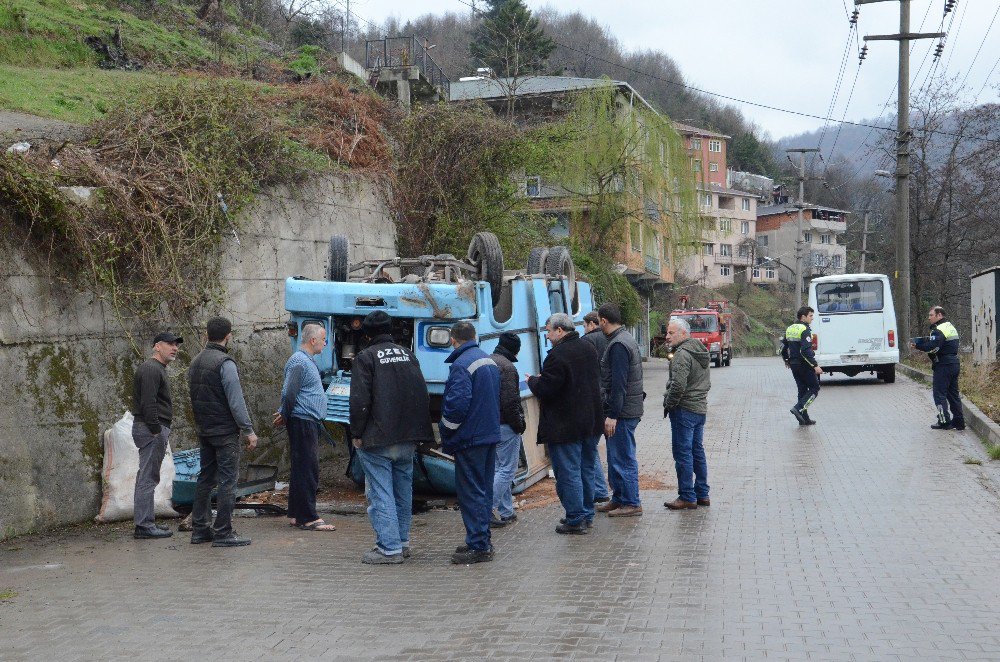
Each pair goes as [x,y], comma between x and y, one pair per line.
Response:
[888,374]
[336,267]
[559,263]
[487,256]
[536,260]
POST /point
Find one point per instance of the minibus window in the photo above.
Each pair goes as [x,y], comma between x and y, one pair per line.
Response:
[863,296]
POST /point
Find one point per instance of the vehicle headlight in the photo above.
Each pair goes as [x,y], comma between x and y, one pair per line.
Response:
[716,347]
[439,336]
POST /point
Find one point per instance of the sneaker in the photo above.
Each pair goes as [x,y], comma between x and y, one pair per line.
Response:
[943,426]
[574,529]
[798,416]
[149,532]
[376,556]
[500,522]
[602,501]
[162,527]
[958,426]
[588,522]
[232,540]
[470,556]
[199,538]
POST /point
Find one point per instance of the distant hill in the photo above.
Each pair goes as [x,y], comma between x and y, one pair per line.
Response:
[846,143]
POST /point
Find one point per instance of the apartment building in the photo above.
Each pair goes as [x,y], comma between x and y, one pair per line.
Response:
[822,239]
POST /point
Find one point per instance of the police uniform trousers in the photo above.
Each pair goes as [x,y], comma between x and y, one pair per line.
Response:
[807,383]
[946,395]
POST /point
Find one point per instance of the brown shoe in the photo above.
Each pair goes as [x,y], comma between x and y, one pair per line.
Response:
[607,506]
[677,504]
[704,502]
[626,511]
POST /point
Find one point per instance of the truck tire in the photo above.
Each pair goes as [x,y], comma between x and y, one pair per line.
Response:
[559,263]
[336,266]
[888,374]
[536,260]
[729,359]
[487,256]
[717,361]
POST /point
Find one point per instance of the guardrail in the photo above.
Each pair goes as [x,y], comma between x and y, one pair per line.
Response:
[406,52]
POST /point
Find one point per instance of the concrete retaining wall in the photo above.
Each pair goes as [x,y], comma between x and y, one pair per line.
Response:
[66,359]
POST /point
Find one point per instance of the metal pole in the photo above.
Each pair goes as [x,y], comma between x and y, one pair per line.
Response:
[903,177]
[864,243]
[798,239]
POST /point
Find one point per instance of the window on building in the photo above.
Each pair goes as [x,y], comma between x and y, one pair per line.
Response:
[745,204]
[756,272]
[696,165]
[696,143]
[725,270]
[745,227]
[635,236]
[533,186]
[706,200]
[837,262]
[807,237]
[762,240]
[824,239]
[769,272]
[743,250]
[725,225]
[713,166]
[715,146]
[726,250]
[666,251]
[708,249]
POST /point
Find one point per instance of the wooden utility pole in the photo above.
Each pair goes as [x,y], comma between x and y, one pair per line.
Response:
[902,276]
[799,240]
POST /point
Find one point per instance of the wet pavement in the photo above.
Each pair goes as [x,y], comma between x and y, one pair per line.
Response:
[864,537]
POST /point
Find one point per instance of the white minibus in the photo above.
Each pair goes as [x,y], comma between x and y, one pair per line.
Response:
[854,328]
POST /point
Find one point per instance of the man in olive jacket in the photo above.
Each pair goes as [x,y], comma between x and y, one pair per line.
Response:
[686,403]
[390,415]
[571,420]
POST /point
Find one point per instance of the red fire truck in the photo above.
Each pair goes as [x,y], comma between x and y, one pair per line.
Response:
[713,326]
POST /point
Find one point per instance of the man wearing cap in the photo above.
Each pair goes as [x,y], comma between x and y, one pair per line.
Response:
[390,415]
[153,414]
[511,427]
[220,415]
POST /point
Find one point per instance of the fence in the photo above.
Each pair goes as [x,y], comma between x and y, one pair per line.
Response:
[406,52]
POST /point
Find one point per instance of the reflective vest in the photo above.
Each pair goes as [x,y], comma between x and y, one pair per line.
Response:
[797,344]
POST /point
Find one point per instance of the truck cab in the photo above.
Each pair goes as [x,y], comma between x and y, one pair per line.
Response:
[712,325]
[424,297]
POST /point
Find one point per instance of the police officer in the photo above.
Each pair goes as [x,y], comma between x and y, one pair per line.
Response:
[798,354]
[942,348]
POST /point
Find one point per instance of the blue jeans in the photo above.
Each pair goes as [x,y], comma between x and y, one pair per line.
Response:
[686,431]
[623,467]
[389,488]
[508,457]
[475,468]
[600,482]
[573,466]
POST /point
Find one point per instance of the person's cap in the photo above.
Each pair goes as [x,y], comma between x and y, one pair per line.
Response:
[167,336]
[377,322]
[510,342]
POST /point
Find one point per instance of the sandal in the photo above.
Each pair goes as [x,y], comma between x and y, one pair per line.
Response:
[318,525]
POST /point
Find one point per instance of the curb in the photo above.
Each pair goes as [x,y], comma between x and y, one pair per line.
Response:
[984,427]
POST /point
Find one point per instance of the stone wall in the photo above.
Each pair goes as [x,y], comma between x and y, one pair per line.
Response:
[67,359]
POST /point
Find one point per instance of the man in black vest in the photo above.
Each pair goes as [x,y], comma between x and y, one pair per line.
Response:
[596,337]
[621,389]
[220,414]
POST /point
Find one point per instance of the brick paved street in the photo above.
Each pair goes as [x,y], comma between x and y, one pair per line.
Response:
[864,537]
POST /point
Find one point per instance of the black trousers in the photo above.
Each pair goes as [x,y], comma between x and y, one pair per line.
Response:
[303,445]
[946,395]
[220,465]
[807,383]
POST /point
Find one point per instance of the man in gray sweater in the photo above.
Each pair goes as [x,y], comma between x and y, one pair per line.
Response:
[686,403]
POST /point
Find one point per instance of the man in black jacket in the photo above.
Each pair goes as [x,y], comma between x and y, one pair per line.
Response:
[596,337]
[572,417]
[153,414]
[511,427]
[220,415]
[390,415]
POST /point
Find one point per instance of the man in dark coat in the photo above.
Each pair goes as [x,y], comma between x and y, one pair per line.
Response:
[511,427]
[470,431]
[942,348]
[572,418]
[390,415]
[596,337]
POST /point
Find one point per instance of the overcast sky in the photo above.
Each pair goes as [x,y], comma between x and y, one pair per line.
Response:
[783,53]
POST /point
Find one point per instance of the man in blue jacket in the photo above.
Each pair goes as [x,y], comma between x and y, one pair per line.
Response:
[470,430]
[942,348]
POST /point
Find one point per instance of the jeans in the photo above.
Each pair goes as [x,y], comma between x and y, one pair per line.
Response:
[508,457]
[220,464]
[152,448]
[686,431]
[303,445]
[475,468]
[946,395]
[600,482]
[573,466]
[389,488]
[807,384]
[623,467]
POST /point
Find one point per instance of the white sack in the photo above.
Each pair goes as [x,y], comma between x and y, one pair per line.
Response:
[121,464]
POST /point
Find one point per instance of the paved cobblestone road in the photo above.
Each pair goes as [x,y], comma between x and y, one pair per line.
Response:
[864,537]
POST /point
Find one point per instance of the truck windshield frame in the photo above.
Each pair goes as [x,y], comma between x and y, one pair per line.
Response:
[846,297]
[704,323]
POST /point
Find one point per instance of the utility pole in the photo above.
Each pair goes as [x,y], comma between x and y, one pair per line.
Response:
[902,276]
[801,205]
[864,243]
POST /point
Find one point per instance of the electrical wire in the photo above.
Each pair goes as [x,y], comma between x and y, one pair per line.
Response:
[980,49]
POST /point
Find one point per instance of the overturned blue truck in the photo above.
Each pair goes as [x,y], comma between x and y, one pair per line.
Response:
[425,296]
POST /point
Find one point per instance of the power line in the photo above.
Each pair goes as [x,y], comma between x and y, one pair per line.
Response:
[979,50]
[836,87]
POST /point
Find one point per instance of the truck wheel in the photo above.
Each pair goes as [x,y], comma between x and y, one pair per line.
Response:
[336,266]
[717,361]
[559,263]
[729,360]
[487,256]
[888,374]
[536,260]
